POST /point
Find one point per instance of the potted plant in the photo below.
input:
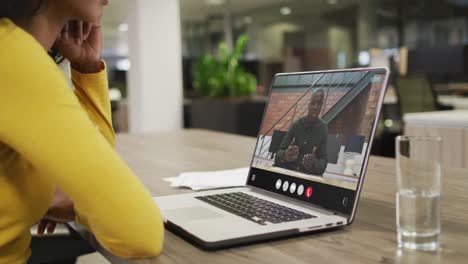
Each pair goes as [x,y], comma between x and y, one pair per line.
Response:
[226,89]
[224,77]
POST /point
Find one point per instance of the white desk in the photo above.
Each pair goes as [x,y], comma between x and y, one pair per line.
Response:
[458,102]
[452,126]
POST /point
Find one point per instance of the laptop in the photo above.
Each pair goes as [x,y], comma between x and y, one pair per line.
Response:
[297,188]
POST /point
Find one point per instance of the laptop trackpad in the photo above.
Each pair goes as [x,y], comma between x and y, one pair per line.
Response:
[194,213]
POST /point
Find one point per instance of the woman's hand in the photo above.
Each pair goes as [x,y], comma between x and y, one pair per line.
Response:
[44,225]
[61,210]
[80,42]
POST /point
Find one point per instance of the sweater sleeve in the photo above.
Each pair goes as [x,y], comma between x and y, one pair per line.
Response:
[93,95]
[43,121]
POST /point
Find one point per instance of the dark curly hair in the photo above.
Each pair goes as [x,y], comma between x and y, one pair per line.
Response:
[17,10]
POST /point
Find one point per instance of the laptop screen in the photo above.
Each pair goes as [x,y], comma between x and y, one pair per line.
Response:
[315,137]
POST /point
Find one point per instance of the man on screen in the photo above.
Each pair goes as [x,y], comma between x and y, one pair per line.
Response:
[304,148]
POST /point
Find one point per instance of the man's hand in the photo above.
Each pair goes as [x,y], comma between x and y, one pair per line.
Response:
[80,42]
[292,152]
[308,161]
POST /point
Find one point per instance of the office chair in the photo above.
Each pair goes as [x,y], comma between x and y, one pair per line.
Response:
[415,94]
[333,147]
[355,144]
[62,248]
[276,140]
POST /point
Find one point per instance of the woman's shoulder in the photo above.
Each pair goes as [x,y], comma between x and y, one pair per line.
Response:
[25,65]
[6,26]
[20,52]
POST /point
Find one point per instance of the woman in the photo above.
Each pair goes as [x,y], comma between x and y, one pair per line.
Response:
[54,138]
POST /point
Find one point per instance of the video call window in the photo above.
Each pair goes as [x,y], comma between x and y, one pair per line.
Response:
[317,126]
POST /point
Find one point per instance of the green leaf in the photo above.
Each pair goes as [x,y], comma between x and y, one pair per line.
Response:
[224,76]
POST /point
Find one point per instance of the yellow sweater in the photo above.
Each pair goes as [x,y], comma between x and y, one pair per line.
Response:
[53,137]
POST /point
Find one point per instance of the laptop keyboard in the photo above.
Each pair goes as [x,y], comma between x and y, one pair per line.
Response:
[254,209]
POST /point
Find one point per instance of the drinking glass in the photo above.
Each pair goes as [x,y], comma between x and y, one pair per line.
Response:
[418,192]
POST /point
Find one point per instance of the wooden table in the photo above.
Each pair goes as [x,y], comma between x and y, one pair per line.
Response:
[371,239]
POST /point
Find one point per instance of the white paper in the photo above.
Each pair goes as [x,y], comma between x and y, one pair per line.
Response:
[204,180]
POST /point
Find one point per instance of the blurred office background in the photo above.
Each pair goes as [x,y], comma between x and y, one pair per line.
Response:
[153,49]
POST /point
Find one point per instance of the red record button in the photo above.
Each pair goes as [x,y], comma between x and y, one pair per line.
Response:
[308,192]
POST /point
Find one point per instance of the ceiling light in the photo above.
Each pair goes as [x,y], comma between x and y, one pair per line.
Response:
[285,11]
[123,27]
[115,94]
[364,58]
[123,65]
[388,123]
[214,2]
[333,2]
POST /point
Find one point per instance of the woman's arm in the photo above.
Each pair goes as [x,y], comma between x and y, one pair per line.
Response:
[42,120]
[80,42]
[91,89]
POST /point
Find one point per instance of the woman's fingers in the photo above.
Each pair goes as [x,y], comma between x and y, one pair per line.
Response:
[41,227]
[51,227]
[65,34]
[88,27]
[46,225]
[94,38]
[63,37]
[76,31]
